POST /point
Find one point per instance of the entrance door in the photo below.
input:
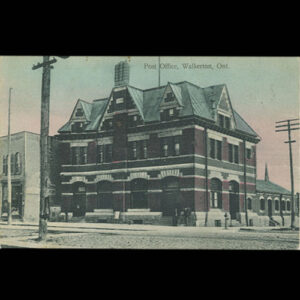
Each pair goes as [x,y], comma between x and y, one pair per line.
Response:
[170,200]
[233,205]
[79,205]
[79,199]
[234,201]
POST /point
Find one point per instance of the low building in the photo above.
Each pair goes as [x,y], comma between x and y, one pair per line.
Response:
[25,175]
[272,205]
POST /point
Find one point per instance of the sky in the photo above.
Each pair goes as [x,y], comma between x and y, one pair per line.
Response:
[262,90]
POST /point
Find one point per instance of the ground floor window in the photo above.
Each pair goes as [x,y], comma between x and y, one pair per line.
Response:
[249,200]
[216,193]
[288,205]
[262,204]
[276,205]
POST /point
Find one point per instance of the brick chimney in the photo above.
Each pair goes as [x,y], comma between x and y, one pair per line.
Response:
[122,73]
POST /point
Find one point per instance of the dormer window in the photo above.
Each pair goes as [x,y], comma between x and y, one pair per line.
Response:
[119,100]
[223,121]
[79,112]
[169,97]
[77,126]
[171,112]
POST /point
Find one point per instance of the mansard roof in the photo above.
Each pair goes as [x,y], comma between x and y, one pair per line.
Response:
[192,100]
[270,187]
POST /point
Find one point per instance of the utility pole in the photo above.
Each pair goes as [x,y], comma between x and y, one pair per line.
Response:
[288,126]
[44,145]
[159,71]
[245,184]
[9,217]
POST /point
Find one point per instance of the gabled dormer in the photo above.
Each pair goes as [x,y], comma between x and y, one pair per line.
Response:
[171,102]
[80,116]
[224,112]
[124,100]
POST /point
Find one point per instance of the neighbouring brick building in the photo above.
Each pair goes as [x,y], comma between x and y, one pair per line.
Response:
[25,175]
[154,153]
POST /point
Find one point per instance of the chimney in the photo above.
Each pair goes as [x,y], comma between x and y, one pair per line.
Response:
[122,73]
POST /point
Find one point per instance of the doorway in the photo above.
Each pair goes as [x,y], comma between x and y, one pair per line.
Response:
[170,201]
[234,205]
[79,199]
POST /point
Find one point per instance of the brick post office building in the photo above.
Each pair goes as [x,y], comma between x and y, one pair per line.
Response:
[158,152]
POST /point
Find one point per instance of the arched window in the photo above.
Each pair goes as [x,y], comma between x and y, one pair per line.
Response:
[104,192]
[276,205]
[283,205]
[249,200]
[262,204]
[4,167]
[216,193]
[12,164]
[18,169]
[288,205]
[139,195]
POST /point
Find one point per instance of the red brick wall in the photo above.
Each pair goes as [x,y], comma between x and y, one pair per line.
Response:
[65,153]
[225,149]
[91,152]
[200,204]
[200,183]
[242,203]
[225,199]
[154,146]
[188,141]
[120,137]
[241,153]
[199,142]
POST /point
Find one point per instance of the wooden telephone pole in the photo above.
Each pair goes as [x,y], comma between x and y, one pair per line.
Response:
[288,126]
[9,217]
[44,145]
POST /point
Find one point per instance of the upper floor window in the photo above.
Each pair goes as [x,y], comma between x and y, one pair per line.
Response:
[165,148]
[79,155]
[12,164]
[223,121]
[215,149]
[79,112]
[248,153]
[18,168]
[233,153]
[108,153]
[4,166]
[100,154]
[177,146]
[227,122]
[171,112]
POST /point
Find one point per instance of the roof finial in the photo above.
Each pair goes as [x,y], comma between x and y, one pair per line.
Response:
[266,173]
